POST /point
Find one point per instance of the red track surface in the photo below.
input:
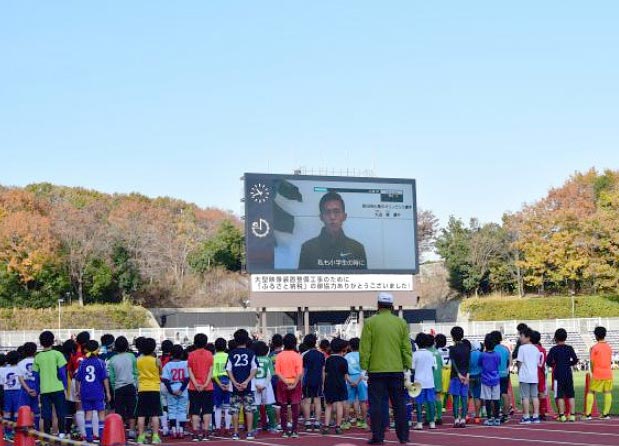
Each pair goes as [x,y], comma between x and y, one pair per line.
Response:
[591,433]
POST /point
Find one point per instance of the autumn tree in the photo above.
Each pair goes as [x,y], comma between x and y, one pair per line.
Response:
[82,232]
[427,230]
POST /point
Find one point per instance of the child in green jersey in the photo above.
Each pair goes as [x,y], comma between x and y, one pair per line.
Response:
[262,387]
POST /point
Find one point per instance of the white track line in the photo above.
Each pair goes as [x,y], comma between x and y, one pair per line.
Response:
[577,432]
[491,437]
[366,438]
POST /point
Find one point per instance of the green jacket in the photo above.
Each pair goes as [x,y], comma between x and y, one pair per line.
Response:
[385,344]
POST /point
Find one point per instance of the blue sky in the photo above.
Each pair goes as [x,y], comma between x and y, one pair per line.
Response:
[486,104]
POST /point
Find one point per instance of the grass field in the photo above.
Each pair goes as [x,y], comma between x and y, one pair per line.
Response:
[579,386]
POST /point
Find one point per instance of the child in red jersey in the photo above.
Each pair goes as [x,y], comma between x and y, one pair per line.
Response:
[536,338]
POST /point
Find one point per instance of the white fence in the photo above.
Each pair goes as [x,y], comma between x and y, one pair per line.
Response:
[478,328]
[348,330]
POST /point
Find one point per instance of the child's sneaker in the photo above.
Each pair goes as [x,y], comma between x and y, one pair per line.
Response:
[562,419]
[324,431]
[588,418]
[572,419]
[308,426]
[489,422]
[317,426]
[156,439]
[141,439]
[345,426]
[432,425]
[362,425]
[418,427]
[235,436]
[294,435]
[477,420]
[497,422]
[338,430]
[251,435]
[195,437]
[286,435]
[605,417]
[536,420]
[525,420]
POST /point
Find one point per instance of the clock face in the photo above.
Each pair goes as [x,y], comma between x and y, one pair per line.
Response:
[260,193]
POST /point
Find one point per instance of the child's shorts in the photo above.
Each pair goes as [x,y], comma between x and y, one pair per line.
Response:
[336,395]
[475,386]
[446,378]
[313,390]
[504,384]
[73,392]
[426,396]
[564,388]
[125,401]
[163,394]
[266,397]
[528,390]
[490,393]
[221,398]
[541,385]
[200,403]
[177,407]
[291,396]
[149,404]
[31,401]
[457,388]
[242,401]
[601,385]
[358,393]
[90,405]
[12,400]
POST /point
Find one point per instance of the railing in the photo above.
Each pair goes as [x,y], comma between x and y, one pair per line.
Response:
[583,326]
[184,335]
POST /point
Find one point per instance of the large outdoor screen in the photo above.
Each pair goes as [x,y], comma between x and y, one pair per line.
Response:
[315,224]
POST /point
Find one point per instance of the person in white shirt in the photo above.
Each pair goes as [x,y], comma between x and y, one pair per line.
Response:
[528,360]
[424,364]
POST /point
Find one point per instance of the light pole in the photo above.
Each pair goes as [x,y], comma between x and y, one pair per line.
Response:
[60,301]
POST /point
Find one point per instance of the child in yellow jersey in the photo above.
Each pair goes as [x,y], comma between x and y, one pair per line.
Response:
[601,367]
[221,387]
[149,382]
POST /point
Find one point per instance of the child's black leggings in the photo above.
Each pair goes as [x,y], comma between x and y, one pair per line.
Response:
[492,408]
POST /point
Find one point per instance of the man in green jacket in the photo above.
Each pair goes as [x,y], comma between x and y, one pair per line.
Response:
[385,353]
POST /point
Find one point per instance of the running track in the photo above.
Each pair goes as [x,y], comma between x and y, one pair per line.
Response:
[591,433]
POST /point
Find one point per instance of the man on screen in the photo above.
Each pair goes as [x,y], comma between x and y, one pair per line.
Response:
[332,249]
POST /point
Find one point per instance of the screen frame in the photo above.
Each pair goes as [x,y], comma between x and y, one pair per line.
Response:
[328,178]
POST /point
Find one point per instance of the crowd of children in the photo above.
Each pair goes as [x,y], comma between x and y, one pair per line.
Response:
[226,387]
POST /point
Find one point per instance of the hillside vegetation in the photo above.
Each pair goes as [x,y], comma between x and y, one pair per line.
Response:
[97,316]
[91,247]
[565,243]
[534,308]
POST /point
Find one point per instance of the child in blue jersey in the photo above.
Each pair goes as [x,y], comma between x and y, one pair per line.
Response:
[504,366]
[175,377]
[93,387]
[490,362]
[242,367]
[12,388]
[356,383]
[475,379]
[29,384]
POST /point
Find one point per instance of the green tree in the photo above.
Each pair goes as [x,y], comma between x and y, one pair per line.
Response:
[224,249]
